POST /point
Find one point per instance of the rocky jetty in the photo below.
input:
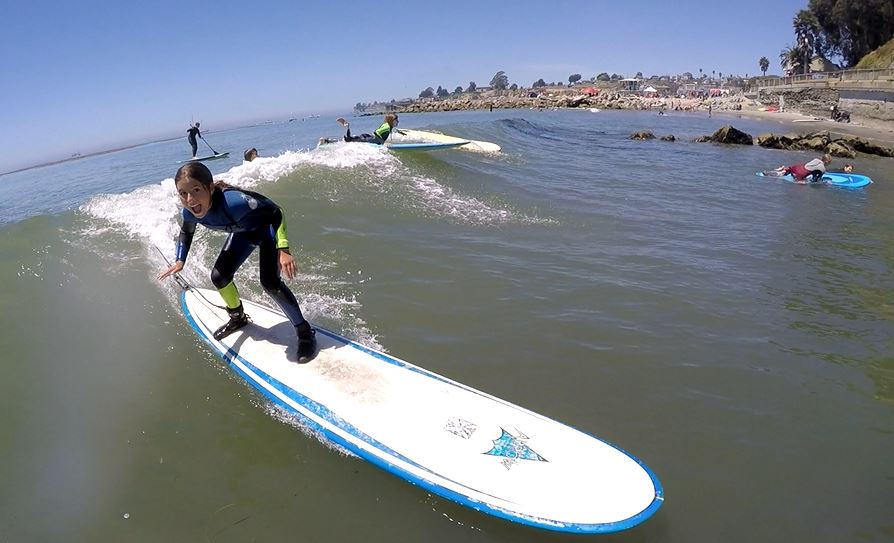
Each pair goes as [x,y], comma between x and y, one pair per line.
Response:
[839,146]
[603,100]
[823,141]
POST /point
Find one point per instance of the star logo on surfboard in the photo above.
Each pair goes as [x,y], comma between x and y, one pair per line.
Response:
[460,427]
[513,448]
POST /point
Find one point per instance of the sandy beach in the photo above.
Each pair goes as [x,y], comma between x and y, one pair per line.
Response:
[878,132]
[881,133]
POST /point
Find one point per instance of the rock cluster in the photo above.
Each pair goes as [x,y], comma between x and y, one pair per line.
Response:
[524,100]
[839,146]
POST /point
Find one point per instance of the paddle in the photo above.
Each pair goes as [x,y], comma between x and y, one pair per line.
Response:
[208,144]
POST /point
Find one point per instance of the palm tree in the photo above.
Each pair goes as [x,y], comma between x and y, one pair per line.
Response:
[806,31]
[792,59]
[764,64]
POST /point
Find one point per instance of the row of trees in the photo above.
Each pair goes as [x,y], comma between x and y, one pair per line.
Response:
[840,29]
[500,81]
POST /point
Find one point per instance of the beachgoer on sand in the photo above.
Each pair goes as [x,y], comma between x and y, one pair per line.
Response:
[252,220]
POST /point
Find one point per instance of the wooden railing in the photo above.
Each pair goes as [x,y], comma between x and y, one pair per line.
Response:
[843,75]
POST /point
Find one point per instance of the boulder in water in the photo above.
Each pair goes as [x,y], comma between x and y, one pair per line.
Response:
[730,135]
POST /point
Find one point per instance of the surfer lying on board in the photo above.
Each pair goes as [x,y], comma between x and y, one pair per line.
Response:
[378,136]
[813,169]
[252,220]
[192,132]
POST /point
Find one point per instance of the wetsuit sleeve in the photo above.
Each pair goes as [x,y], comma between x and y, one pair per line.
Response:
[280,232]
[184,241]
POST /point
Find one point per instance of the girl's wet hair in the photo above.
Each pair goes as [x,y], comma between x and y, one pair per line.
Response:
[200,173]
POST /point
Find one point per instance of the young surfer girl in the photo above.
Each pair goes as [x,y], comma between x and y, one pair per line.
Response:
[252,220]
[378,136]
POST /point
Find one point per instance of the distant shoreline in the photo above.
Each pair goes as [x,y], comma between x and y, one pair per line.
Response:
[874,133]
[726,107]
[79,157]
[115,150]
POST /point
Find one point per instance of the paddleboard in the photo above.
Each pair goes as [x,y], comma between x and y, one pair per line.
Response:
[209,157]
[445,437]
[470,145]
[846,180]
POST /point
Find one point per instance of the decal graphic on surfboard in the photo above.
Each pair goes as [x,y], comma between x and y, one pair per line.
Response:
[513,449]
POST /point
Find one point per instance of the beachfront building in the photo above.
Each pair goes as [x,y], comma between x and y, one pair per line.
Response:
[630,84]
[817,64]
[692,90]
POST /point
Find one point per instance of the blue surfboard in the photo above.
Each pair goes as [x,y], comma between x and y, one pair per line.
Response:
[845,180]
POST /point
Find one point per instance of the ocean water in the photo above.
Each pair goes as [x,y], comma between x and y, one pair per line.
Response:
[734,333]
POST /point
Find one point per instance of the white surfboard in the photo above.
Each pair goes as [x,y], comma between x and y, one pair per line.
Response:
[469,145]
[450,439]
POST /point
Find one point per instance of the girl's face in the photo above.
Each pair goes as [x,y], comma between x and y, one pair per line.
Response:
[195,196]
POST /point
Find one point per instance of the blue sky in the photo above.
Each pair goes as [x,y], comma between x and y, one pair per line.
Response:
[92,75]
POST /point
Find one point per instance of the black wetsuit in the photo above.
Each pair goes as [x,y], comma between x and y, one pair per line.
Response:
[253,220]
[192,132]
[378,137]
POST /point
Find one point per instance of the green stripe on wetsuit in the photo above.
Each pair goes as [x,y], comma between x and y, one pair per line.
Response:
[383,131]
[230,295]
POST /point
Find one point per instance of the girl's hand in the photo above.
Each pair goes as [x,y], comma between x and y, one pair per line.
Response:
[287,263]
[172,270]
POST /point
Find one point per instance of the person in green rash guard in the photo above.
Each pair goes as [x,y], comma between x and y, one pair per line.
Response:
[252,220]
[379,136]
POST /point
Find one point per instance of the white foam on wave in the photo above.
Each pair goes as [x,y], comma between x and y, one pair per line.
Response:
[418,192]
[441,201]
[150,215]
